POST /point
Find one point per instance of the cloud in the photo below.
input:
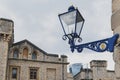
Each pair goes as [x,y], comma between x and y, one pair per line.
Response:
[37,21]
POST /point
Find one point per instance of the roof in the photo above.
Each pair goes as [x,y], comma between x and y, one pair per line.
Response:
[23,41]
[6,19]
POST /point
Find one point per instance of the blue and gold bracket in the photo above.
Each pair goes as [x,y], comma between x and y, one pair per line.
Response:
[98,46]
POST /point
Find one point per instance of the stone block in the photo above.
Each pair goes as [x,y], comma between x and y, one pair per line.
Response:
[115,20]
[115,5]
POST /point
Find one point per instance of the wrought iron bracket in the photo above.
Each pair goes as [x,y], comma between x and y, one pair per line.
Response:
[98,46]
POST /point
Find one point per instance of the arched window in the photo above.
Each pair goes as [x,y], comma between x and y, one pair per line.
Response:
[34,55]
[16,53]
[25,53]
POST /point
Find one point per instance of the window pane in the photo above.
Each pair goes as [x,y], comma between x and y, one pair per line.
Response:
[33,73]
[14,73]
[34,76]
[15,54]
[34,55]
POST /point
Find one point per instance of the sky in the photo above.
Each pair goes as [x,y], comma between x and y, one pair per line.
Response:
[37,21]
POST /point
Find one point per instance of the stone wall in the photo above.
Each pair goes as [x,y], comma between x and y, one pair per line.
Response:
[45,70]
[6,36]
[97,71]
[69,76]
[47,65]
[115,25]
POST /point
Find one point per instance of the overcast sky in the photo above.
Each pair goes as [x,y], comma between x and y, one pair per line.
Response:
[37,21]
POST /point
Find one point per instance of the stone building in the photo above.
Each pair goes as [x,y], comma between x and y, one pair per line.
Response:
[97,71]
[25,61]
[115,26]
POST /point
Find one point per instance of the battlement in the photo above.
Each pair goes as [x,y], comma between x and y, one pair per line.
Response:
[98,63]
[9,20]
[6,30]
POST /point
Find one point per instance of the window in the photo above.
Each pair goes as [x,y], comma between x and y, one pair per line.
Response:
[34,55]
[33,73]
[15,54]
[14,73]
[25,53]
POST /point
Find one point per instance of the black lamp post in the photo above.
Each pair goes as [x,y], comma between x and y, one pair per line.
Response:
[72,24]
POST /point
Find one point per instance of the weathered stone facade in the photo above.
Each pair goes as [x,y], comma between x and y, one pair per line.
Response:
[49,66]
[70,76]
[6,38]
[25,61]
[97,71]
[115,22]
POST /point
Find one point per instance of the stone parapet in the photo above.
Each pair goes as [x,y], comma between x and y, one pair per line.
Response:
[98,63]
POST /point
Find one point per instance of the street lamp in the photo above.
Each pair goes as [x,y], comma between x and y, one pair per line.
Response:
[72,23]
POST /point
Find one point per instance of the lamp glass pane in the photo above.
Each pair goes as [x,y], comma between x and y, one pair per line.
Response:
[79,17]
[69,18]
[79,27]
[79,23]
[68,21]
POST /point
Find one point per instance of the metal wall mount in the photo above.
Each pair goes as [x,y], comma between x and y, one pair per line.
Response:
[98,46]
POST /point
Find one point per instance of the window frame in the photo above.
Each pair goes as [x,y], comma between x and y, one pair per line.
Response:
[16,53]
[33,73]
[34,55]
[14,75]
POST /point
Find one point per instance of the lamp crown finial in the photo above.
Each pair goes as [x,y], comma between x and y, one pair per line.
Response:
[71,8]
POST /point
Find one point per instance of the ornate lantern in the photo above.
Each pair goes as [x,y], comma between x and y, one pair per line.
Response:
[72,24]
